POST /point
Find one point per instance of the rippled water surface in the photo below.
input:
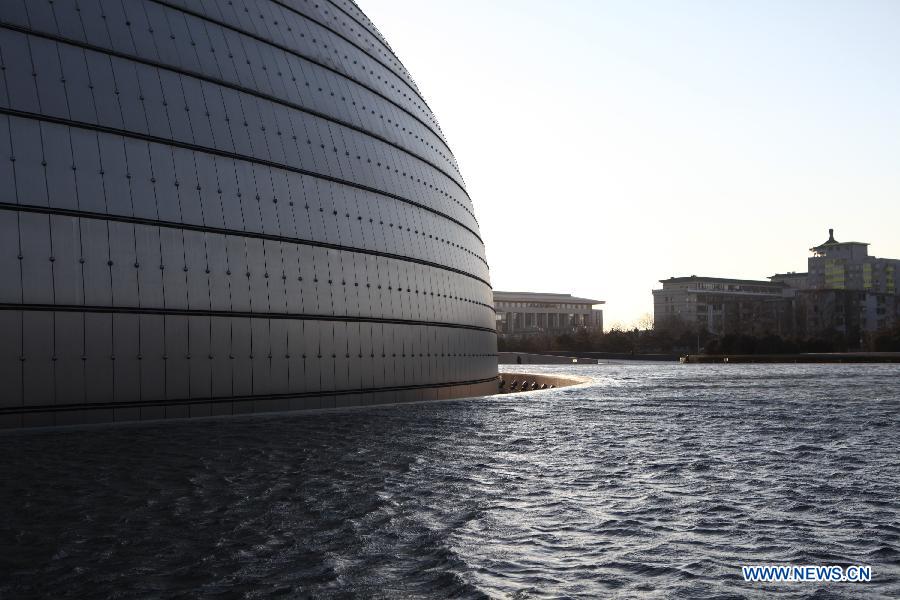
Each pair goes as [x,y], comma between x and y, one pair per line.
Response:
[652,480]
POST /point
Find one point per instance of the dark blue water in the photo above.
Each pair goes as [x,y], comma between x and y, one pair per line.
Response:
[653,480]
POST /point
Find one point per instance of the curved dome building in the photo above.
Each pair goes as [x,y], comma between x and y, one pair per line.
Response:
[225,207]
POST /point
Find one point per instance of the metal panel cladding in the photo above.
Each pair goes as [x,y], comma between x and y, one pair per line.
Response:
[224,207]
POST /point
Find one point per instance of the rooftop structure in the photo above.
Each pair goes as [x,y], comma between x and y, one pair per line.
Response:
[792,280]
[832,247]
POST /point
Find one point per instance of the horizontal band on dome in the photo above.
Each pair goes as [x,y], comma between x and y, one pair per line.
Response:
[233,155]
[238,88]
[186,312]
[12,410]
[69,212]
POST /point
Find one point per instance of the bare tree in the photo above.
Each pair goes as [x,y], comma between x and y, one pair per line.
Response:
[645,322]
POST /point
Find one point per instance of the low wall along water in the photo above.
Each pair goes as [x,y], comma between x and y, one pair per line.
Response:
[531,382]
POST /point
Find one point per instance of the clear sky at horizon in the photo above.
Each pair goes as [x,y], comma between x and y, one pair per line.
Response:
[610,144]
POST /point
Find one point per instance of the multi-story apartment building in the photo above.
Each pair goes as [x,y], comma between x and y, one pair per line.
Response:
[847,291]
[721,305]
[530,313]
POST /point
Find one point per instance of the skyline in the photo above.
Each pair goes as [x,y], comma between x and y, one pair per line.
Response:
[708,139]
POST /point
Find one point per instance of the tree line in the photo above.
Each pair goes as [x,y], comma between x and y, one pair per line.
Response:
[681,338]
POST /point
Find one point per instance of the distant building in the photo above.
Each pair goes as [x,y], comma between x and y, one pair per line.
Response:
[531,313]
[721,305]
[845,291]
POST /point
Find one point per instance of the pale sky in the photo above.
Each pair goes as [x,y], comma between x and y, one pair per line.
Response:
[610,144]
